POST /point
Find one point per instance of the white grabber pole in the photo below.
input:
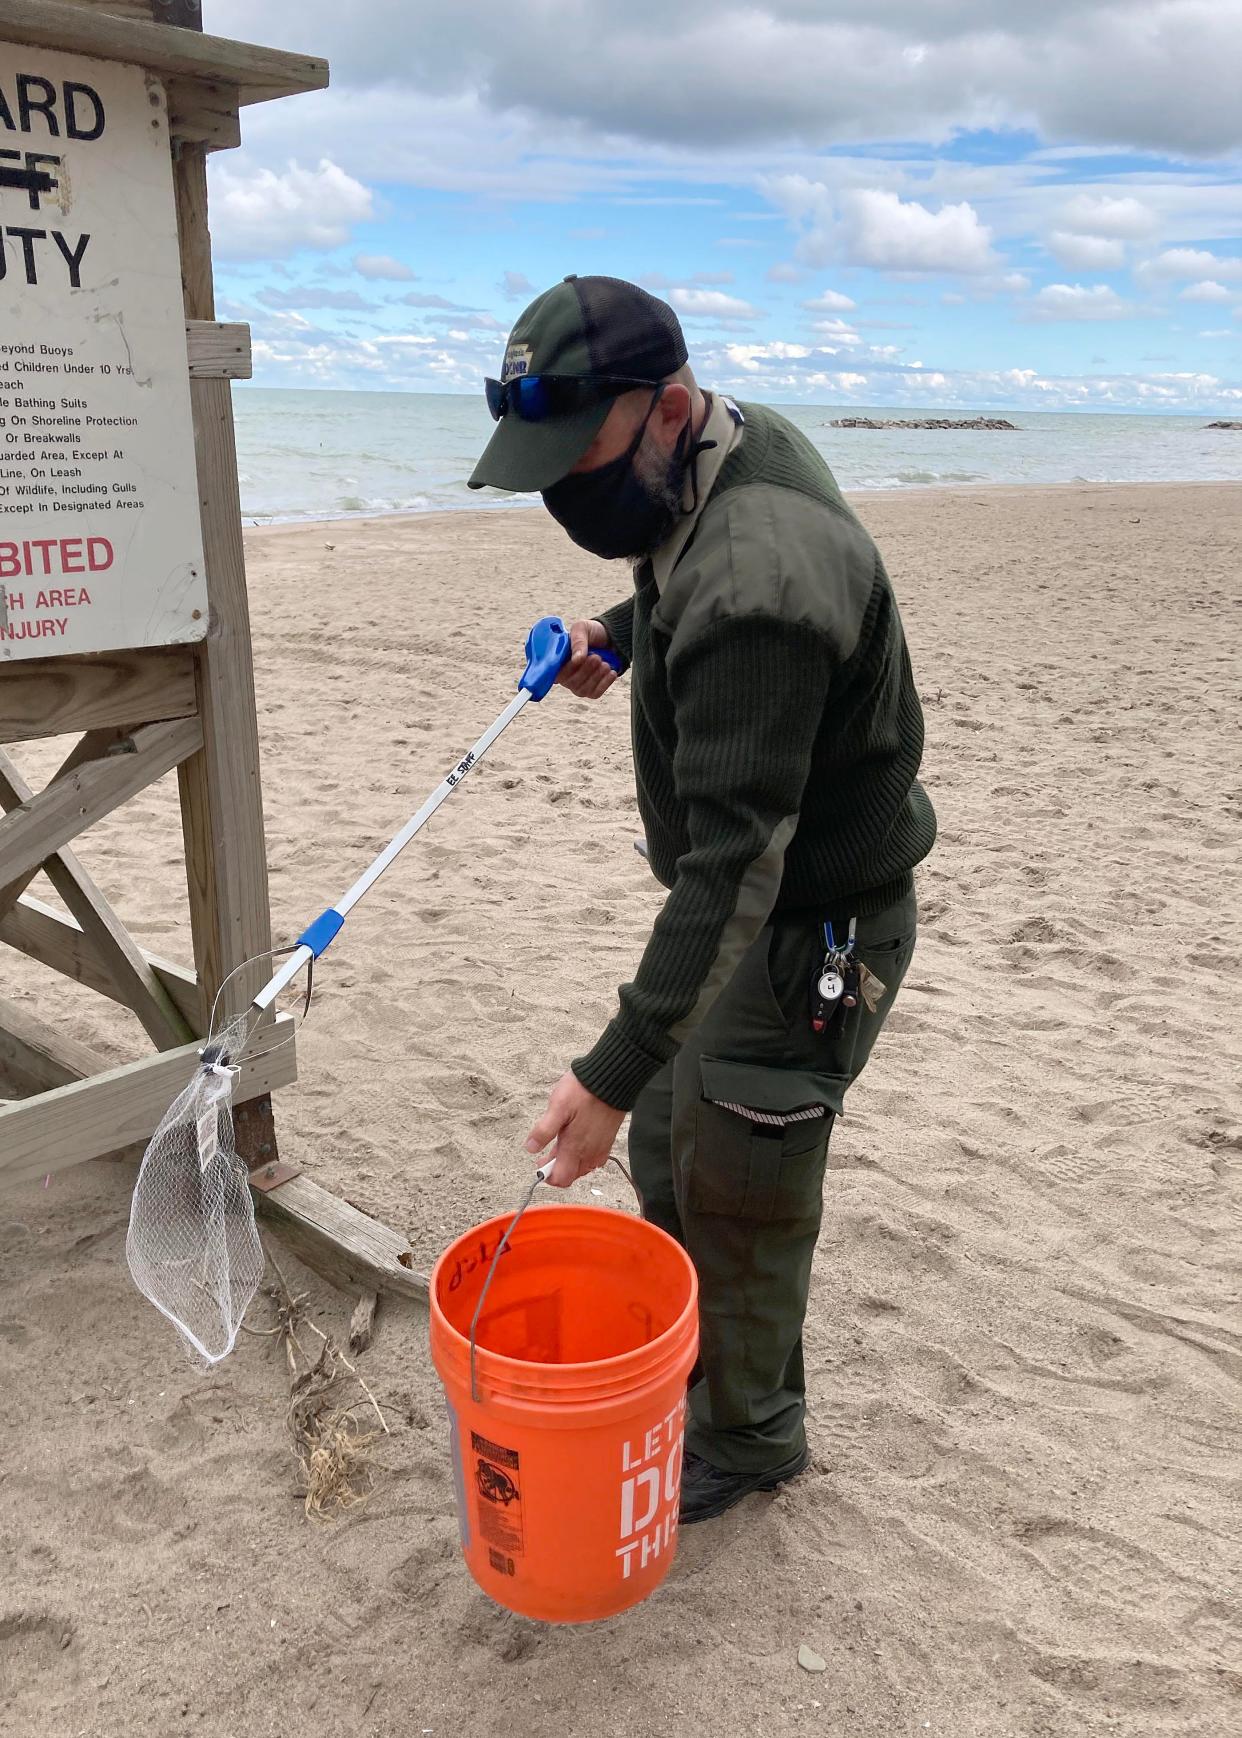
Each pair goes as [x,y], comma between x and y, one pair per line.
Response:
[547,650]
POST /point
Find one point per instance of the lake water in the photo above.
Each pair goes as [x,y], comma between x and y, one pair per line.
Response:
[320,455]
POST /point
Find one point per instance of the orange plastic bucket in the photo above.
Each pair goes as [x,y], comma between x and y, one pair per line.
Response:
[568,1465]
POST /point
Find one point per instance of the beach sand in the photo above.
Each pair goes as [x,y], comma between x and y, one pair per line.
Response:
[1024,1346]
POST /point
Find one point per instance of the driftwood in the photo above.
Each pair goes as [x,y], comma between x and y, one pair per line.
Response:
[362,1322]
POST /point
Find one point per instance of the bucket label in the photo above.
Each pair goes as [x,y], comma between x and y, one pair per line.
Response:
[498,1501]
[650,1491]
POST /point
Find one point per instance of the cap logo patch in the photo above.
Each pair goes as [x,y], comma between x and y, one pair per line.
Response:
[516,362]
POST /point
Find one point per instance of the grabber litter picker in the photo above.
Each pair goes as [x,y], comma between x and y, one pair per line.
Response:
[192,1247]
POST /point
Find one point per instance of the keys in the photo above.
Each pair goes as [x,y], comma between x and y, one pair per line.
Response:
[841,982]
[851,988]
[831,985]
[827,989]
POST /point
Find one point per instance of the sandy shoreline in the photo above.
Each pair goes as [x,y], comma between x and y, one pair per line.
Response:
[859,497]
[1024,1342]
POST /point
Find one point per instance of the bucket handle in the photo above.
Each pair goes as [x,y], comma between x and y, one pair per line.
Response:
[541,1176]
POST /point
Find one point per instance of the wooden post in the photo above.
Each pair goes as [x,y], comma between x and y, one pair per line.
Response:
[140,710]
[146,709]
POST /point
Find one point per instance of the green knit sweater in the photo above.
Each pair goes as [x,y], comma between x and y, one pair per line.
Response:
[777,733]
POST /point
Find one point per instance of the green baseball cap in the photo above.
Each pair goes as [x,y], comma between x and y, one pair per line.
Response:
[590,327]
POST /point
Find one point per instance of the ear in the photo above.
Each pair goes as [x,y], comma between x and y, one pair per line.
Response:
[671,414]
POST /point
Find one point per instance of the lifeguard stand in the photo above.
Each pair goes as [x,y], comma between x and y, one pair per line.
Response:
[123,608]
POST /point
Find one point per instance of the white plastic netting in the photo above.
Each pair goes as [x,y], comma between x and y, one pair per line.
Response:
[193,1247]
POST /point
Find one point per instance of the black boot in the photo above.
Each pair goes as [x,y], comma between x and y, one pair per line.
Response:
[706,1491]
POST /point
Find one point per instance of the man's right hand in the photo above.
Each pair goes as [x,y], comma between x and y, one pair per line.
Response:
[583,673]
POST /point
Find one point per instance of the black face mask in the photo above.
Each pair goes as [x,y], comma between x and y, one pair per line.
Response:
[611,511]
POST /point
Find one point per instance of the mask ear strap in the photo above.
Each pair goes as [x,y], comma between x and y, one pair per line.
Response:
[642,427]
[692,463]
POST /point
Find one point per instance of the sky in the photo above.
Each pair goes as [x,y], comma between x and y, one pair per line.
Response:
[982,204]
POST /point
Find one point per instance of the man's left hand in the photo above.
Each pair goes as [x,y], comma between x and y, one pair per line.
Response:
[583,1127]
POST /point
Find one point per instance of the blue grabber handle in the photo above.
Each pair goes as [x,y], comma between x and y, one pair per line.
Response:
[547,650]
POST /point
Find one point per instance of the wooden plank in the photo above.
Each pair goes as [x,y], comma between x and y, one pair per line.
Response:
[35,1056]
[51,696]
[37,829]
[49,936]
[203,114]
[120,8]
[259,73]
[120,1107]
[221,796]
[218,350]
[337,1241]
[126,969]
[186,13]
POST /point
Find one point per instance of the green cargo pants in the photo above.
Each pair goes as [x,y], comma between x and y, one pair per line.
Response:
[745,1197]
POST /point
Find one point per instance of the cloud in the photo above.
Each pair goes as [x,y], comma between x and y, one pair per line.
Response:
[749,356]
[893,234]
[784,272]
[312,296]
[838,332]
[516,287]
[263,214]
[1079,302]
[418,299]
[1205,291]
[711,304]
[1188,262]
[875,227]
[1015,281]
[1103,214]
[830,302]
[1087,253]
[475,322]
[382,265]
[713,277]
[1149,74]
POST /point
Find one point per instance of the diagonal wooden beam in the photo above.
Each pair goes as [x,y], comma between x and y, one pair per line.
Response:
[34,1056]
[37,829]
[42,933]
[124,963]
[14,791]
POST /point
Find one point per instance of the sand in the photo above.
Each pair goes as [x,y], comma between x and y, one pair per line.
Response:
[1024,1342]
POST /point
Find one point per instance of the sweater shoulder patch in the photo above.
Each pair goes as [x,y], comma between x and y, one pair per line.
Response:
[763,549]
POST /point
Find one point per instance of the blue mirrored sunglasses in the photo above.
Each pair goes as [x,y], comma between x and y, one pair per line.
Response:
[539,397]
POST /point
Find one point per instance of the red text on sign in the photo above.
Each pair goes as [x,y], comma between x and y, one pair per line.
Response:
[45,556]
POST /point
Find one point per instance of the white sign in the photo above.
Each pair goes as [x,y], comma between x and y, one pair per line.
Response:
[100,544]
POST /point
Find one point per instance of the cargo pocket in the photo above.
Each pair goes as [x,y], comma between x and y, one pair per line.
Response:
[761,1139]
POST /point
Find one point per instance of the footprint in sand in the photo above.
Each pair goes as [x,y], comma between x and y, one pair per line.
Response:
[31,1644]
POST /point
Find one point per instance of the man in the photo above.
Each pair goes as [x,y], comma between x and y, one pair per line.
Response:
[777,734]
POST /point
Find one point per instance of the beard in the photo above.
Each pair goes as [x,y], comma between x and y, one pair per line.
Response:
[662,479]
